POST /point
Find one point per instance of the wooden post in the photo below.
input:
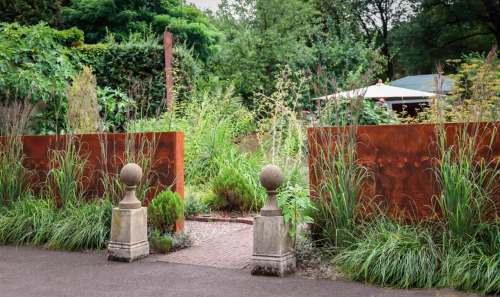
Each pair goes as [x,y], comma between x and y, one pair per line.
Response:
[169,80]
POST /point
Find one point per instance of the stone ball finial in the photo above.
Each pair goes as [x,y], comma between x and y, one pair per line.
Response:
[131,174]
[271,177]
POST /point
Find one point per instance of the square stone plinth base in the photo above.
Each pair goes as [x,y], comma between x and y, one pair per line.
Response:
[272,250]
[129,236]
[274,266]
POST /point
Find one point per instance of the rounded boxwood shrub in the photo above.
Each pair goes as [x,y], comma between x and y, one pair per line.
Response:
[164,210]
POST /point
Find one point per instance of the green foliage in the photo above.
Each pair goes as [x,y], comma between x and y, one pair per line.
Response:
[340,187]
[29,11]
[441,30]
[83,113]
[65,178]
[35,66]
[193,203]
[115,108]
[471,266]
[134,66]
[363,112]
[27,221]
[82,226]
[468,185]
[123,17]
[211,122]
[236,186]
[13,175]
[164,210]
[393,254]
[162,243]
[296,206]
[260,38]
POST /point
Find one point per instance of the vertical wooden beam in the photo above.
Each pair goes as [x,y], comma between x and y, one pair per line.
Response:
[169,80]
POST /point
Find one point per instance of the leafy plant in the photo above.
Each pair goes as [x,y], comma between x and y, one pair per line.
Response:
[83,226]
[161,243]
[115,107]
[28,221]
[164,210]
[390,253]
[296,206]
[236,187]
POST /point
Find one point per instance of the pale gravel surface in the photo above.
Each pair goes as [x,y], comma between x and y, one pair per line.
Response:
[201,232]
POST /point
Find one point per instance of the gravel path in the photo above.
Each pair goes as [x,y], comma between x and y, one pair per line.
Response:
[215,244]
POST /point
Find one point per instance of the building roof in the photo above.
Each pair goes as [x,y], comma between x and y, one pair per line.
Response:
[425,83]
[381,90]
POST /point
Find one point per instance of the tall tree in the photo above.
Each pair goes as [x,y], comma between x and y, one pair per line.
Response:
[121,17]
[443,30]
[29,11]
[378,17]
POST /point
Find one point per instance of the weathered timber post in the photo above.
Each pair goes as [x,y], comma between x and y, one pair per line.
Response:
[129,236]
[272,249]
[169,80]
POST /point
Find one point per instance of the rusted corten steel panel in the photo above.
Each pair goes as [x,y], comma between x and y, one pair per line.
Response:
[400,159]
[107,153]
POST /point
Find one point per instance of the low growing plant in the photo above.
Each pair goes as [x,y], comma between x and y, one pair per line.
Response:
[83,226]
[394,254]
[28,221]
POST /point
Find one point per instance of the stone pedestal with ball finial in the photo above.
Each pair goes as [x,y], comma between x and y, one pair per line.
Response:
[129,235]
[272,249]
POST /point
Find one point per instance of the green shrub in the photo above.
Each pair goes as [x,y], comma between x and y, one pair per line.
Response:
[393,254]
[236,186]
[211,122]
[164,210]
[344,112]
[194,204]
[28,221]
[82,226]
[161,243]
[36,65]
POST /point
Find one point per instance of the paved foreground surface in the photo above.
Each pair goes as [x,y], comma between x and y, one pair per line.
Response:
[26,271]
[215,244]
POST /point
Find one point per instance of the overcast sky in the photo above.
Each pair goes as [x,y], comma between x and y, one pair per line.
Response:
[205,4]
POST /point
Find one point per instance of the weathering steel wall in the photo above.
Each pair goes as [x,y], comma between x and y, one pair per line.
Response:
[400,158]
[100,150]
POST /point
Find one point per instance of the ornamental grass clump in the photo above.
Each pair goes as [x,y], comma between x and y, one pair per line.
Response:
[394,254]
[28,221]
[66,176]
[340,187]
[468,180]
[14,177]
[83,226]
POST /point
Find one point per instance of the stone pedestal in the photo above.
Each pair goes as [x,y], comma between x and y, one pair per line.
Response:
[129,235]
[272,251]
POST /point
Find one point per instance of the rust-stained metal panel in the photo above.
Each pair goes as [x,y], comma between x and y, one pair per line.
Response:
[108,151]
[400,159]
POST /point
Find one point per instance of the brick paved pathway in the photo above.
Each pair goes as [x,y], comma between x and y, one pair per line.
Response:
[216,244]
